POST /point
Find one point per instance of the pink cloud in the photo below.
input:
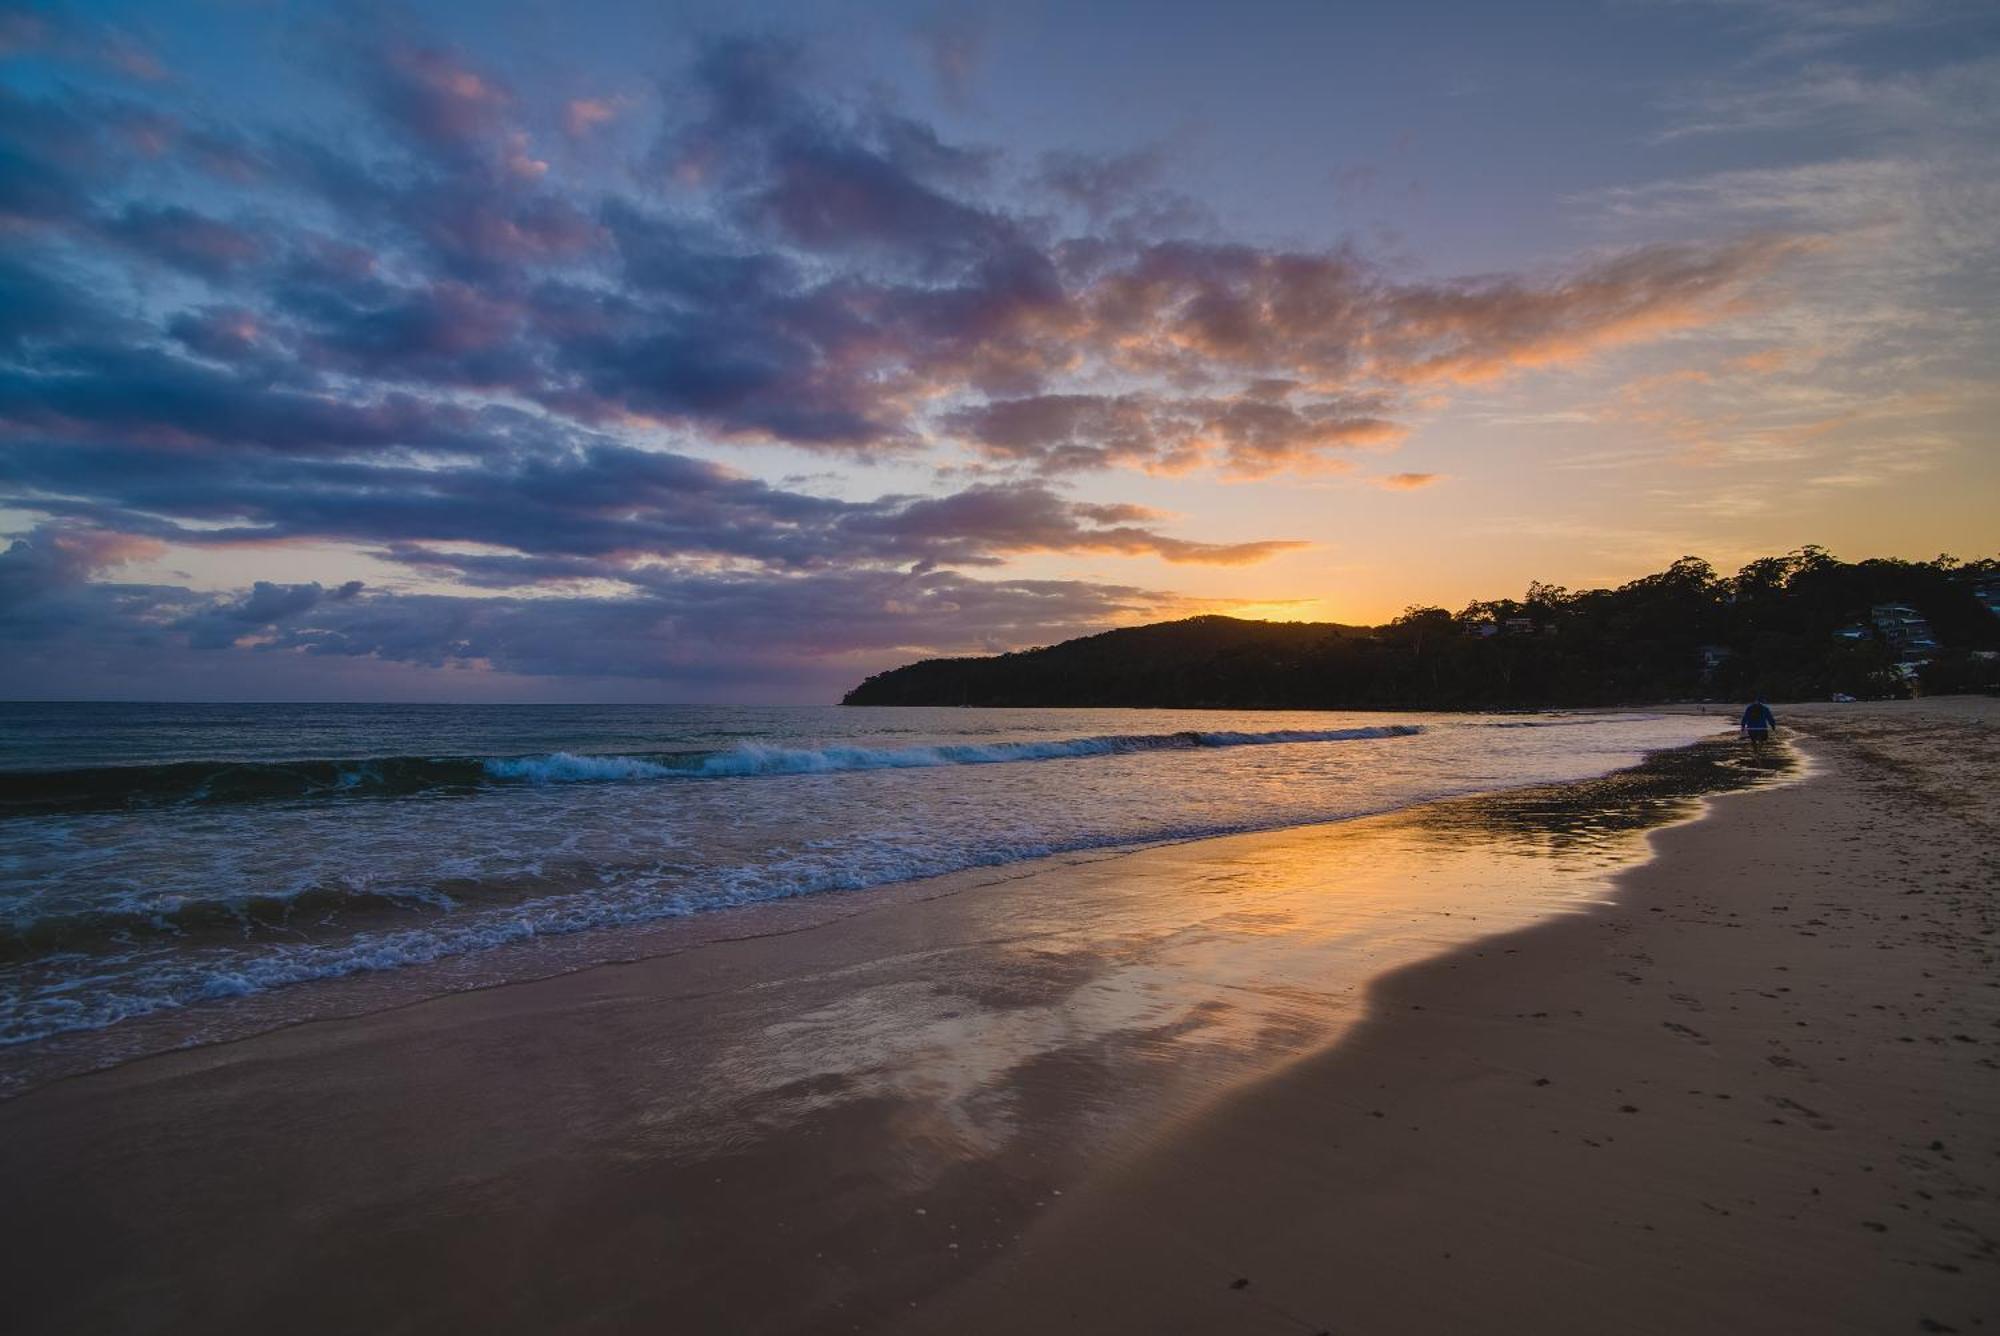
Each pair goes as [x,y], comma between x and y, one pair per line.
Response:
[583,115]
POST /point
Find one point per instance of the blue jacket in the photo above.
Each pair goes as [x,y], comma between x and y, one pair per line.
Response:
[1759,716]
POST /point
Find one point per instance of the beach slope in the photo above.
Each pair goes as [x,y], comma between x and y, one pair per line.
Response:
[1760,1092]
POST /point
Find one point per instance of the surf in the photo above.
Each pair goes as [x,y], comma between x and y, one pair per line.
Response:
[98,788]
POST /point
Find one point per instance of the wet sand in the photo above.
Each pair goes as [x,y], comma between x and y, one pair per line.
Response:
[1759,1092]
[1095,1094]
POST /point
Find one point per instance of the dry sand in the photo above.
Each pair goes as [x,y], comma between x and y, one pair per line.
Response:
[1173,1091]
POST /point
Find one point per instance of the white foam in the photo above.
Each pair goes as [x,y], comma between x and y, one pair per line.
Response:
[569,768]
[751,758]
[503,865]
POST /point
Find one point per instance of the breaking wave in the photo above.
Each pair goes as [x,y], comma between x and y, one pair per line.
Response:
[97,788]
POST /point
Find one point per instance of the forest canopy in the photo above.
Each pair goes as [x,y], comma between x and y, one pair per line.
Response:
[1800,626]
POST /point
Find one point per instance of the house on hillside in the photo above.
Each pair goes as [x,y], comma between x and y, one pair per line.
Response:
[1988,593]
[1905,629]
[1853,631]
[1712,657]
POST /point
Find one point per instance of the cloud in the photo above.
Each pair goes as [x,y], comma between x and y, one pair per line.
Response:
[1252,434]
[153,399]
[52,31]
[57,556]
[1783,30]
[583,116]
[1099,183]
[814,178]
[600,511]
[953,42]
[37,307]
[1480,330]
[1888,313]
[434,97]
[694,633]
[504,371]
[187,240]
[226,624]
[1017,518]
[56,151]
[848,282]
[1409,482]
[1959,97]
[1123,195]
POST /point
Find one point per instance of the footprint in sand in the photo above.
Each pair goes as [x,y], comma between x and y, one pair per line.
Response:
[1814,1118]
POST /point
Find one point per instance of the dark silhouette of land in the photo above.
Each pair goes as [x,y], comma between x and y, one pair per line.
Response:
[1799,626]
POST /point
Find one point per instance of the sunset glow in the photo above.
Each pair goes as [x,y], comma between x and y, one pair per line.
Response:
[709,352]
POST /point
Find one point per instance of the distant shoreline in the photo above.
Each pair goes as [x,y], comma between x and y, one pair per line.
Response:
[1801,627]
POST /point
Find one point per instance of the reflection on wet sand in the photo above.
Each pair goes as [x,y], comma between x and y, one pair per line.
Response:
[799,1131]
[1169,975]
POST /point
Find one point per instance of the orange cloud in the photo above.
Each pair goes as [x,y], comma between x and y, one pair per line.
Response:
[584,114]
[1409,482]
[1334,321]
[1326,347]
[1479,332]
[519,161]
[1768,360]
[1249,435]
[1184,553]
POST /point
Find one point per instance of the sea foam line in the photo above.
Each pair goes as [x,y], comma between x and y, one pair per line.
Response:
[209,782]
[169,984]
[746,759]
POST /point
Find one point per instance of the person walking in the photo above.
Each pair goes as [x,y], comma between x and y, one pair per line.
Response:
[1758,721]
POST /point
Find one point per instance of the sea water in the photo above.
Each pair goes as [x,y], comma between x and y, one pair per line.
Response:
[153,857]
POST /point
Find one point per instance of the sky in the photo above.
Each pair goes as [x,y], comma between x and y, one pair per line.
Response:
[514,350]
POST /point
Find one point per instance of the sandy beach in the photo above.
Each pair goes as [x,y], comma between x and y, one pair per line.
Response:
[1758,1092]
[1562,1061]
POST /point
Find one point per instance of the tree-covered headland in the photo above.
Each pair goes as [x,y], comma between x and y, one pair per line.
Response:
[1800,626]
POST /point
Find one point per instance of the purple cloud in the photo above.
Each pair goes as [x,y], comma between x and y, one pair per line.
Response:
[693,632]
[420,341]
[598,511]
[185,239]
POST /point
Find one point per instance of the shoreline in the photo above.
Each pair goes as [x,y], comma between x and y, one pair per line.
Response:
[1618,1121]
[904,1100]
[64,1054]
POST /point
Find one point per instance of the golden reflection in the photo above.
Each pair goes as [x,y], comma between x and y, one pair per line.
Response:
[1106,991]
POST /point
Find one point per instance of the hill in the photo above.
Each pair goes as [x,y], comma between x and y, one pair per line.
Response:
[1799,626]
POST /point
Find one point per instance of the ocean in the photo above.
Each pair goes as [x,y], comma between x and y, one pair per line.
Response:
[159,858]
